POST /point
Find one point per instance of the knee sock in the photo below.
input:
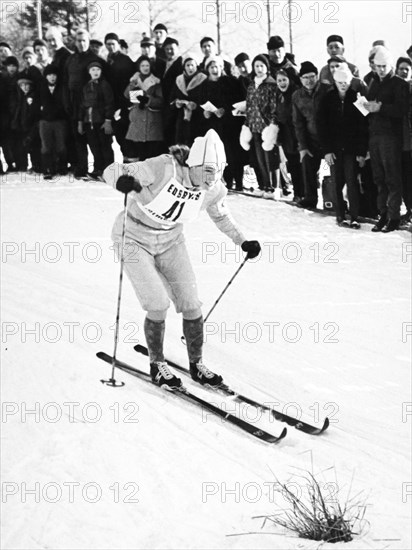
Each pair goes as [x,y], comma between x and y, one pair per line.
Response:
[154,332]
[193,333]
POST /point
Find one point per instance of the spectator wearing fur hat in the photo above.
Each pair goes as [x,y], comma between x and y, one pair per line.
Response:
[334,46]
[76,75]
[95,118]
[388,105]
[278,59]
[305,103]
[344,139]
[120,70]
[184,99]
[53,124]
[5,52]
[25,124]
[160,34]
[222,91]
[29,70]
[287,135]
[209,49]
[148,48]
[259,132]
[58,50]
[145,136]
[404,71]
[42,52]
[174,67]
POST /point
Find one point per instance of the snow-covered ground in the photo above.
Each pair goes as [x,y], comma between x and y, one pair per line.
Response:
[320,324]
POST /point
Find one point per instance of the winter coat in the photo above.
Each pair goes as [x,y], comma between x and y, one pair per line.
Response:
[33,74]
[27,114]
[261,105]
[340,124]
[59,59]
[75,77]
[287,134]
[188,118]
[222,93]
[393,92]
[97,102]
[169,77]
[146,124]
[120,70]
[304,109]
[51,104]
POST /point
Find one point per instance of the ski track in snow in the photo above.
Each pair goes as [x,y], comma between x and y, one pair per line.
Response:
[349,361]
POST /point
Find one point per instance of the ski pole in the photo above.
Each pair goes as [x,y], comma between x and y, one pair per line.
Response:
[221,294]
[112,381]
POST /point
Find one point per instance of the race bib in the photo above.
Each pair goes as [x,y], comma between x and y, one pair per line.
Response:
[174,204]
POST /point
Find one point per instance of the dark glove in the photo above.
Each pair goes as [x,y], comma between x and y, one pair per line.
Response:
[143,101]
[252,248]
[125,184]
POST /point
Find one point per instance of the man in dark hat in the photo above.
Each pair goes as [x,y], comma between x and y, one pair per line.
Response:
[160,34]
[305,104]
[96,46]
[148,48]
[338,62]
[209,49]
[278,59]
[334,46]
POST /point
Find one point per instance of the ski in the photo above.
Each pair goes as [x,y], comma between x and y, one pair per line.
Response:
[282,417]
[186,395]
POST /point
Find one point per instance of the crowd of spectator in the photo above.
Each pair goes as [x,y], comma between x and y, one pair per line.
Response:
[279,118]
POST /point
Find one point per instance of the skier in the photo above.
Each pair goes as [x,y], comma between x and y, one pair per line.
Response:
[164,192]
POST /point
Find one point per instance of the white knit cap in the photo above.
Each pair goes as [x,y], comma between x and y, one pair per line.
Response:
[342,75]
[207,150]
[382,56]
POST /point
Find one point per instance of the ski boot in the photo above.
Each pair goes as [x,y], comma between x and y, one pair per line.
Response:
[204,376]
[162,376]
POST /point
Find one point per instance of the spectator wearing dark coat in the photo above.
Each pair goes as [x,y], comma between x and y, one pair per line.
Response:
[29,70]
[160,34]
[58,50]
[305,103]
[25,124]
[76,76]
[10,137]
[222,91]
[52,124]
[287,135]
[174,67]
[244,66]
[5,52]
[158,64]
[388,105]
[260,130]
[182,99]
[279,60]
[404,71]
[334,46]
[146,123]
[95,118]
[343,135]
[120,70]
